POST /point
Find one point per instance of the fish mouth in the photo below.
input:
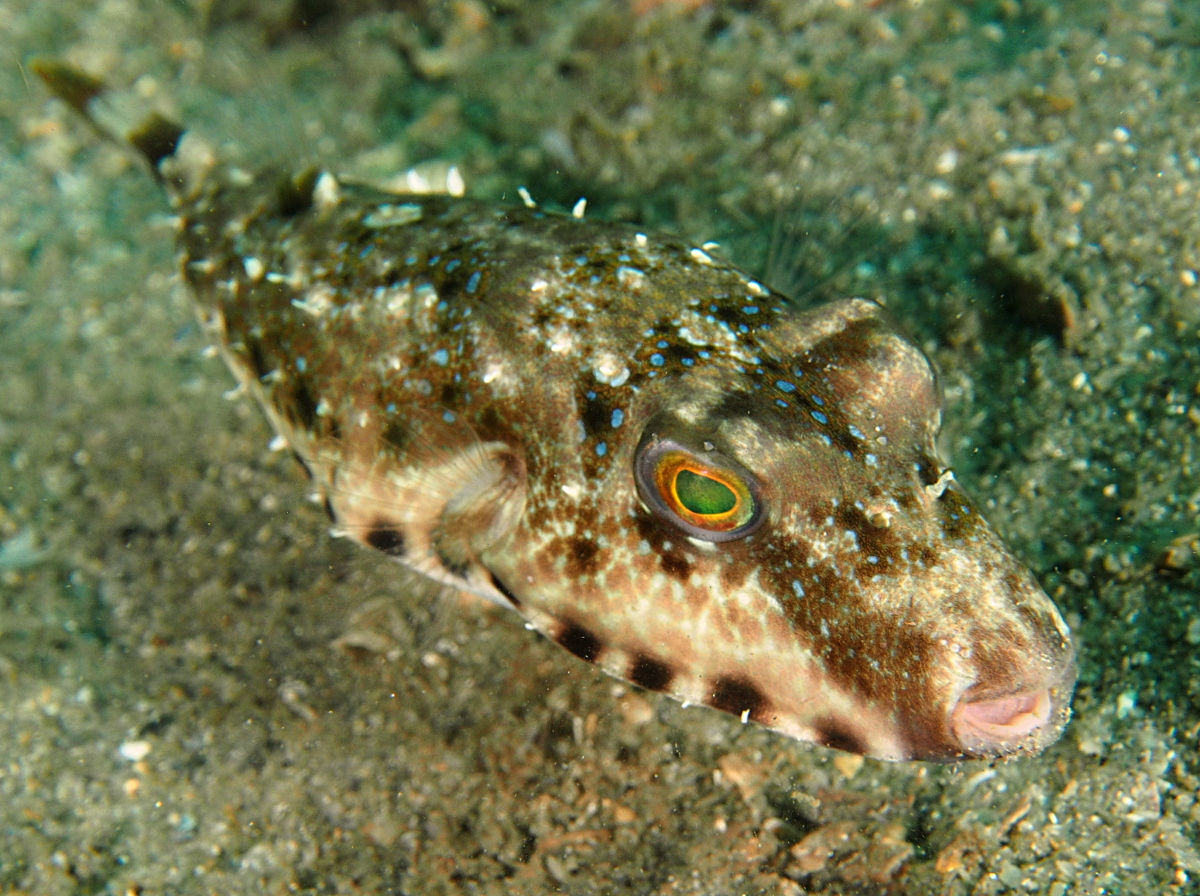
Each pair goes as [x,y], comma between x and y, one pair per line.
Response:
[1026,720]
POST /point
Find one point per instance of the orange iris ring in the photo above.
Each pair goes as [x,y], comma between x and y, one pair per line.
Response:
[666,475]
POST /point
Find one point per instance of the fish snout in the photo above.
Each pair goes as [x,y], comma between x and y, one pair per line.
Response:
[989,721]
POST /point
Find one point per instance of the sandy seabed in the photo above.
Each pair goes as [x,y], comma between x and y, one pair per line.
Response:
[201,691]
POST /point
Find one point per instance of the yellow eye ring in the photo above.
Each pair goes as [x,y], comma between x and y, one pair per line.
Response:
[702,494]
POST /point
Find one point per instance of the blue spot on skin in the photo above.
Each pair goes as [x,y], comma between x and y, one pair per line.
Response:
[451,265]
[704,354]
[581,259]
[433,261]
[751,309]
[473,282]
[781,402]
[856,432]
[662,343]
[784,386]
[411,260]
[688,362]
[871,460]
[441,356]
[819,400]
[448,416]
[591,396]
[602,449]
[391,408]
[798,588]
[819,417]
[797,373]
[657,360]
[618,417]
[301,365]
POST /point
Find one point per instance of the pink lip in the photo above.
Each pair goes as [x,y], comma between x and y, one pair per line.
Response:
[994,725]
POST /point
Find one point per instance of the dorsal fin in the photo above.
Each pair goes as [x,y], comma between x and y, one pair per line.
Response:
[74,87]
[156,138]
[152,141]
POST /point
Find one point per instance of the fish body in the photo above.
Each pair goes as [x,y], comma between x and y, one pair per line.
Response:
[662,464]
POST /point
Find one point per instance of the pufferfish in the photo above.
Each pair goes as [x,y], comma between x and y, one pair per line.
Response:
[662,464]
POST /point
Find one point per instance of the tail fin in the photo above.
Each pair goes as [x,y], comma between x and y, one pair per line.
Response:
[153,141]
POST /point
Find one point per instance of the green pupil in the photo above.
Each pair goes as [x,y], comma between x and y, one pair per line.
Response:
[703,495]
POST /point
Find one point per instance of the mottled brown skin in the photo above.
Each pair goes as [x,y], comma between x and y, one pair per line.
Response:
[486,395]
[471,385]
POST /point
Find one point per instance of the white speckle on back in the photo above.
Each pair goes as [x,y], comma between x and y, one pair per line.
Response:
[327,193]
[254,268]
[317,301]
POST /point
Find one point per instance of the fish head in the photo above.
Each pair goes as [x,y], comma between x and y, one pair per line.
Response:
[786,545]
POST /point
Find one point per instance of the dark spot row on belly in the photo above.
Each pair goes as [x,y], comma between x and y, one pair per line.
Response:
[645,671]
[736,695]
[649,673]
[831,733]
[387,538]
[579,641]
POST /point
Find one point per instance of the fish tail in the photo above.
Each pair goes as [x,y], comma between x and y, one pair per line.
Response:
[152,142]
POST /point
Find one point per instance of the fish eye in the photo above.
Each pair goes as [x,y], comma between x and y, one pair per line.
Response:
[703,494]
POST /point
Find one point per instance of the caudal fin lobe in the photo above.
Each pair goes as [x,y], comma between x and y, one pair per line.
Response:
[154,140]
